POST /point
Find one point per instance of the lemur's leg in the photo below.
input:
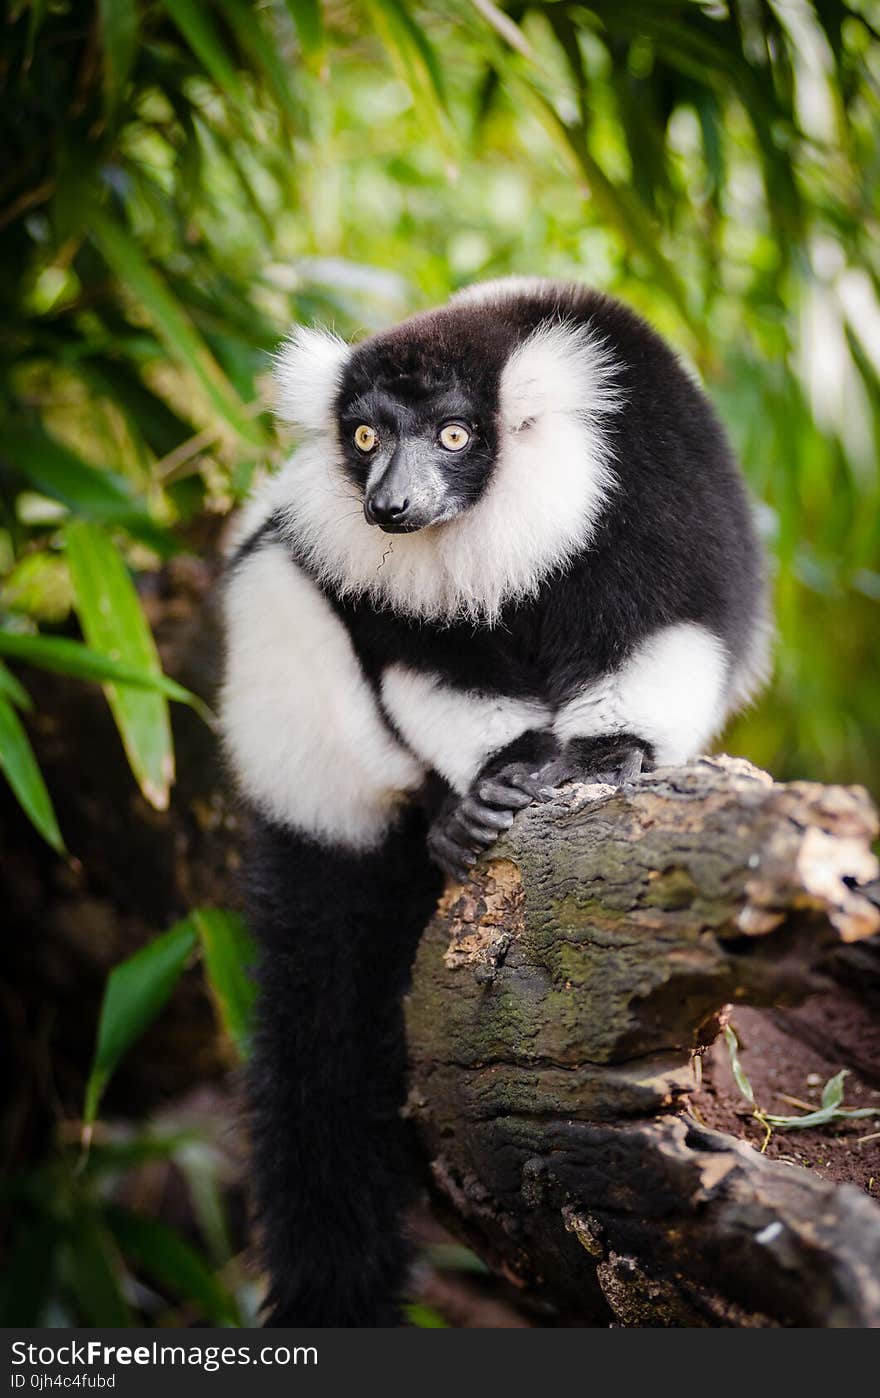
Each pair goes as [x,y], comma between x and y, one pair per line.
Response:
[662,705]
[330,1170]
[612,758]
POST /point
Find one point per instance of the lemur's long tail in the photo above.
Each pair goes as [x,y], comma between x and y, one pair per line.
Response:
[331,1174]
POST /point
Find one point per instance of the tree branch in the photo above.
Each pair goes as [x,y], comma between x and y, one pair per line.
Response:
[556,1004]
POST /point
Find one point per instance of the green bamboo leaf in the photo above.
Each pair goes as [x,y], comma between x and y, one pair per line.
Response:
[146,413]
[93,1273]
[170,321]
[454,1257]
[736,1067]
[57,471]
[119,37]
[13,691]
[173,1263]
[264,54]
[831,14]
[198,1164]
[19,766]
[824,1116]
[66,657]
[619,205]
[197,27]
[412,54]
[120,1157]
[832,1092]
[137,989]
[38,10]
[711,130]
[625,210]
[424,1317]
[113,621]
[309,21]
[228,954]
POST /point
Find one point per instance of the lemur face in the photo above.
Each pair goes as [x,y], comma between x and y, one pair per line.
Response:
[480,434]
[419,460]
[418,439]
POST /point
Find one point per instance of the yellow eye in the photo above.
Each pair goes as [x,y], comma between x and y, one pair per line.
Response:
[365,438]
[453,436]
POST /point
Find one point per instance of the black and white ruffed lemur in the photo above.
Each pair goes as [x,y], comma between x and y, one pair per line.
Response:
[513,550]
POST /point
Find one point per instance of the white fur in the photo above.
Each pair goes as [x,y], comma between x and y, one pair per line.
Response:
[551,480]
[300,723]
[753,670]
[308,373]
[673,691]
[454,730]
[501,289]
[561,370]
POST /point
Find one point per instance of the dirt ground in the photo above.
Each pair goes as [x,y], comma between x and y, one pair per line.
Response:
[788,1056]
[791,1054]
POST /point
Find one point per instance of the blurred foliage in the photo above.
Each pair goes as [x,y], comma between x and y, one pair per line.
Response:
[77,1256]
[182,178]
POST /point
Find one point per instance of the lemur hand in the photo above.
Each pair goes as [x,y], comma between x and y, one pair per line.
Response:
[469,825]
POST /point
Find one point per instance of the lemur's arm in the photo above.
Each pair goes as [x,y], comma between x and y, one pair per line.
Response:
[662,704]
[302,729]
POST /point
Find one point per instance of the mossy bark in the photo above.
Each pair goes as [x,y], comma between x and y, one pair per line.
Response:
[557,1005]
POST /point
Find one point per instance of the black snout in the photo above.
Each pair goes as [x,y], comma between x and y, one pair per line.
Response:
[387,509]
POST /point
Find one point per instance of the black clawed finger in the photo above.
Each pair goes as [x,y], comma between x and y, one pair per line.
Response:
[527,784]
[631,765]
[482,836]
[475,813]
[462,866]
[453,858]
[507,798]
[471,834]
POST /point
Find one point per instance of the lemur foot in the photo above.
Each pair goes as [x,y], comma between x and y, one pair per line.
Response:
[611,760]
[464,831]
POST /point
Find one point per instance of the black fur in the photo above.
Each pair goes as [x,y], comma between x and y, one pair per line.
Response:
[337,931]
[332,1174]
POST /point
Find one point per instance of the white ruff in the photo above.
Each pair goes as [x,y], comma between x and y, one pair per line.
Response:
[502,289]
[551,479]
[308,371]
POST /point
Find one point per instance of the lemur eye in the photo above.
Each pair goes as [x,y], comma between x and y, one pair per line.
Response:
[366,437]
[453,436]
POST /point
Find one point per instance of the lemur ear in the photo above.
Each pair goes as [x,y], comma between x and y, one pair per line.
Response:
[559,369]
[308,374]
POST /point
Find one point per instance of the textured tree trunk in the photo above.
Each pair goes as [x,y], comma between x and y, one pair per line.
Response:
[558,1005]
